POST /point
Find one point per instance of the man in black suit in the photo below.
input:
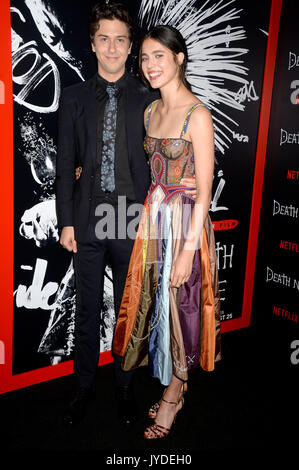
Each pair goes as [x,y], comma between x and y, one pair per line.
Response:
[83,129]
[81,142]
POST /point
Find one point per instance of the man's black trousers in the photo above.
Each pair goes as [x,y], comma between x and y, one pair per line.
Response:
[89,263]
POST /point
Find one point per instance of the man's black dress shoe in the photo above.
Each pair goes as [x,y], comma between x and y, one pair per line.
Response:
[76,410]
[127,412]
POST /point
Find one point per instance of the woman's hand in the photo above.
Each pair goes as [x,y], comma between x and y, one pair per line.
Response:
[78,172]
[181,268]
[190,183]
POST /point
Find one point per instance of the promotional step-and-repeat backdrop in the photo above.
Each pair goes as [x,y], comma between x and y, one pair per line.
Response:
[227,43]
[276,291]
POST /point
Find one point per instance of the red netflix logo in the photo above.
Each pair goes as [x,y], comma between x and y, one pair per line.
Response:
[285,245]
[281,312]
[293,175]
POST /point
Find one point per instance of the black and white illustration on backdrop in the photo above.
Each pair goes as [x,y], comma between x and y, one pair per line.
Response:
[50,50]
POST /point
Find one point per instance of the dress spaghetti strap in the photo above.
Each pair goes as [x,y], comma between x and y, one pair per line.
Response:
[149,112]
[186,122]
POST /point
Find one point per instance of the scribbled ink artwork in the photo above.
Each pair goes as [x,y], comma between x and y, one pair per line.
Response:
[37,55]
[50,50]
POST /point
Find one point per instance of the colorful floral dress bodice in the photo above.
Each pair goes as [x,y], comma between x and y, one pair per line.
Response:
[171,159]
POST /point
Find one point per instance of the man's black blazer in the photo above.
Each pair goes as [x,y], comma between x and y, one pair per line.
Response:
[77,146]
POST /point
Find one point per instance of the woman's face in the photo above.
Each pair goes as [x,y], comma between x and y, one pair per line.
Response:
[158,63]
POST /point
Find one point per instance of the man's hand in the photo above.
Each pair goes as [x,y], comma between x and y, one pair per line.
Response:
[67,239]
[189,183]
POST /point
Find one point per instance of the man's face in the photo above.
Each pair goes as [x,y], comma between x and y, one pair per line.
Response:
[112,46]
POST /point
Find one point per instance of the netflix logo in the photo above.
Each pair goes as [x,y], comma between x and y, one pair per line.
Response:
[293,175]
[281,312]
[290,246]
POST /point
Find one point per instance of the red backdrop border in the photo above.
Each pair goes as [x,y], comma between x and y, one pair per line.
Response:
[7,199]
[262,139]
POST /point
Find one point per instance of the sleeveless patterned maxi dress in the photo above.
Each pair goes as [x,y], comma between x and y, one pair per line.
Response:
[169,329]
